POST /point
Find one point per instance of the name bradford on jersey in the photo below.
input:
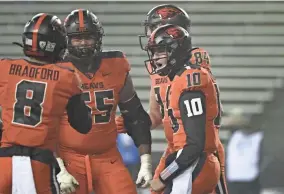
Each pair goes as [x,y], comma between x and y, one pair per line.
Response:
[34,72]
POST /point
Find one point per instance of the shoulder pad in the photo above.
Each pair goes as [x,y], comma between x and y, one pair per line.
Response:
[198,49]
[7,59]
[189,78]
[112,54]
[65,65]
[193,49]
[200,56]
[180,72]
[11,61]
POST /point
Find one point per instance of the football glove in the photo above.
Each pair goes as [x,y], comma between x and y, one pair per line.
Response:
[145,172]
[67,182]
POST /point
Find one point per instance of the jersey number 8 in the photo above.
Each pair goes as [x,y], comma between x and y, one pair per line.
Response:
[28,106]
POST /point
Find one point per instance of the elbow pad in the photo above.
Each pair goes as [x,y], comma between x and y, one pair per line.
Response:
[136,121]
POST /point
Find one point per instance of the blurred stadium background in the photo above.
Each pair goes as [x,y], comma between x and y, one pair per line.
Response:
[245,41]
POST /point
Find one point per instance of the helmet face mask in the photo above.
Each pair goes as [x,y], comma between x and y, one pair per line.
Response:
[84,44]
[84,33]
[158,61]
[167,49]
[150,27]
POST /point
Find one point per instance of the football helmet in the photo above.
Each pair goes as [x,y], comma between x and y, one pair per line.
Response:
[84,32]
[44,38]
[168,48]
[166,14]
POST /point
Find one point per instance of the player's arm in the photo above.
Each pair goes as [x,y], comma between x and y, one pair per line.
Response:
[154,111]
[136,119]
[162,164]
[138,123]
[78,115]
[194,127]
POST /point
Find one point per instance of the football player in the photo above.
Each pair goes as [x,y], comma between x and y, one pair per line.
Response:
[93,159]
[170,14]
[192,106]
[34,94]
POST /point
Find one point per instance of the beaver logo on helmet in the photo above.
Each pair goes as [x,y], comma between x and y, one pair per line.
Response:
[174,32]
[167,12]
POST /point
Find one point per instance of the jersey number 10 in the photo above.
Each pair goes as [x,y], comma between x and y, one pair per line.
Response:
[193,107]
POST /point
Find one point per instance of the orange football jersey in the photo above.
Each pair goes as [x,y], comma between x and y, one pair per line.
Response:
[33,99]
[193,80]
[161,85]
[101,93]
[202,58]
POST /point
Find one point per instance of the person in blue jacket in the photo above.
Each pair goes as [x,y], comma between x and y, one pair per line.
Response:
[129,153]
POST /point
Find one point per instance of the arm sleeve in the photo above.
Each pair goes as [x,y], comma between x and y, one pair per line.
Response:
[136,120]
[79,116]
[192,108]
[162,164]
[128,91]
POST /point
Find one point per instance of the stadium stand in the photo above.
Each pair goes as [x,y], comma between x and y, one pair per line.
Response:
[244,39]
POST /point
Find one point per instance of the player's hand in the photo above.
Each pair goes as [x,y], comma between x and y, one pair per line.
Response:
[120,124]
[66,181]
[157,185]
[145,173]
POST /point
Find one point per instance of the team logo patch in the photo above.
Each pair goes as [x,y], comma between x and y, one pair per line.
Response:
[167,12]
[42,44]
[174,32]
[50,46]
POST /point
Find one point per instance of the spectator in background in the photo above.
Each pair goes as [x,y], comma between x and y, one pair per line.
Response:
[244,153]
[129,153]
[130,156]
